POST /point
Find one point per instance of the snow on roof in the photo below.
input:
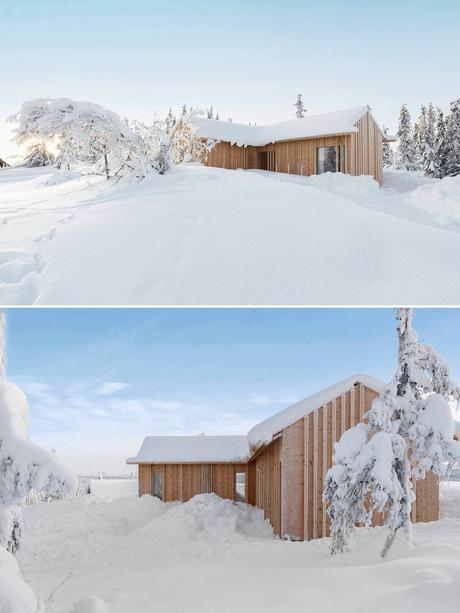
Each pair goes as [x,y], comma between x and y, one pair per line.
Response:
[338,122]
[199,448]
[202,448]
[263,433]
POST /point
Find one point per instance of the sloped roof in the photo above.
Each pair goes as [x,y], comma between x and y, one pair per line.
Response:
[263,433]
[199,448]
[337,122]
[203,448]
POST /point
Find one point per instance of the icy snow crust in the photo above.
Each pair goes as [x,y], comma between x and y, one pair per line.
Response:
[211,236]
[199,448]
[337,122]
[145,556]
[263,433]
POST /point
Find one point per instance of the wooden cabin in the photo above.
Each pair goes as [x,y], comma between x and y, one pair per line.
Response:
[348,141]
[280,466]
[3,164]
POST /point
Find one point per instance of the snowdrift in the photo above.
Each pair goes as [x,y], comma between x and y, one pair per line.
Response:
[210,236]
[144,556]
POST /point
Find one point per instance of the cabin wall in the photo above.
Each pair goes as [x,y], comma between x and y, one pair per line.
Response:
[183,481]
[291,470]
[364,153]
[268,483]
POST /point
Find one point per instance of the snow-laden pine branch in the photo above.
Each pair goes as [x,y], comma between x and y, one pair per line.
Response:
[409,431]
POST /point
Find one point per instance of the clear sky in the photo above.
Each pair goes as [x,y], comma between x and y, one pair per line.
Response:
[99,380]
[248,59]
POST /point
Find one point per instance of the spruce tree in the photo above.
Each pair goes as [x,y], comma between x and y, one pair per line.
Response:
[300,108]
[440,147]
[169,121]
[428,151]
[406,157]
[410,431]
[453,140]
[387,151]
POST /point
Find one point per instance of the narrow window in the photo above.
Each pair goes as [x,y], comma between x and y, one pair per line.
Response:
[240,487]
[157,484]
[326,159]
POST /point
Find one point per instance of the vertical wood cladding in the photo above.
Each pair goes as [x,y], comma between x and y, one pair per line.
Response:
[183,481]
[299,460]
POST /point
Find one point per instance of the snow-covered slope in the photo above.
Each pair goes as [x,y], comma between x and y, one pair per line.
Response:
[143,556]
[211,236]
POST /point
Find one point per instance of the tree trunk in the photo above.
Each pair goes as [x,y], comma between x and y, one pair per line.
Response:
[106,166]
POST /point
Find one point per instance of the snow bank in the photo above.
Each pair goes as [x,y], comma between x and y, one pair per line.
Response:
[342,184]
[449,499]
[113,488]
[207,516]
[159,560]
[440,199]
[15,595]
[263,433]
[211,236]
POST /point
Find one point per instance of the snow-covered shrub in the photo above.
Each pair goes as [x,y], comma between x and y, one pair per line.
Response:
[185,145]
[84,132]
[410,431]
[23,466]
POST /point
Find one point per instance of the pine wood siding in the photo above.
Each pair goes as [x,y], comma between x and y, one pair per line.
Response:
[363,153]
[268,483]
[290,472]
[183,481]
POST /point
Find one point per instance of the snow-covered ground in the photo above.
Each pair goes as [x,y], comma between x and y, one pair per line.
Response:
[113,555]
[209,236]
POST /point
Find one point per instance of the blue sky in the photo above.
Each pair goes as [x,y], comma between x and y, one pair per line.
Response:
[99,380]
[248,59]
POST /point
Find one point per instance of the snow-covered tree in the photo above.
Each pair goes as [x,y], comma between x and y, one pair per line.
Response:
[387,151]
[38,155]
[170,121]
[406,156]
[184,145]
[217,116]
[83,132]
[161,160]
[23,466]
[453,140]
[300,109]
[429,136]
[440,147]
[210,112]
[419,133]
[410,431]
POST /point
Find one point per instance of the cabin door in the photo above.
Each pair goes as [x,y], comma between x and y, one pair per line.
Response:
[157,483]
[263,160]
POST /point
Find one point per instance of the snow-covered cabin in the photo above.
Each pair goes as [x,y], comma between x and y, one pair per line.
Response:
[3,164]
[279,466]
[347,141]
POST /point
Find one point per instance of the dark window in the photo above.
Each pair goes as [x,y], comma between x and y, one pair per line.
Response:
[342,159]
[240,487]
[157,484]
[326,159]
